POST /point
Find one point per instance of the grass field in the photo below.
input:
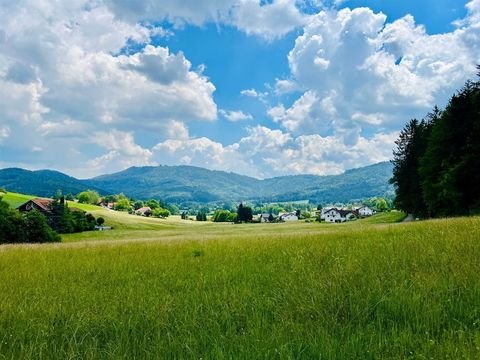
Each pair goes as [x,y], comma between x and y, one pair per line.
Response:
[370,289]
[15,200]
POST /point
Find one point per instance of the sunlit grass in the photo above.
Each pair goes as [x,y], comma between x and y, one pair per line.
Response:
[179,289]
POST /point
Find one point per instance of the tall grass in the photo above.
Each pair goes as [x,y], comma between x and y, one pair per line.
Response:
[248,292]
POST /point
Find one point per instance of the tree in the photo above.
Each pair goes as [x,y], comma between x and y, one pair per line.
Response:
[37,229]
[100,221]
[138,204]
[12,228]
[88,197]
[201,216]
[123,205]
[410,147]
[18,228]
[161,213]
[153,204]
[450,167]
[244,213]
[381,204]
[222,216]
[61,219]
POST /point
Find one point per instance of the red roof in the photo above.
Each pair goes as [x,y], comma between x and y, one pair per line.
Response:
[44,204]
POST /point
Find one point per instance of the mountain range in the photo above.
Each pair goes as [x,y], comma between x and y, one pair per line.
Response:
[189,184]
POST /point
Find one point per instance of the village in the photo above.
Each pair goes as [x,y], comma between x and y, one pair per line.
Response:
[152,208]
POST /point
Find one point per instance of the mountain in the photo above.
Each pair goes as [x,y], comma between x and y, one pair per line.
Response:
[41,183]
[184,184]
[180,184]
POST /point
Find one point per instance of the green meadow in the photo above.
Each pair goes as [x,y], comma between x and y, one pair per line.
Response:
[161,289]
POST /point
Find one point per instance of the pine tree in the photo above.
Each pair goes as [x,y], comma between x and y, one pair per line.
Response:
[406,179]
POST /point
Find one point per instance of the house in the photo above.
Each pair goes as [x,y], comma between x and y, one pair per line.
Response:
[42,205]
[292,216]
[334,215]
[144,211]
[264,218]
[365,211]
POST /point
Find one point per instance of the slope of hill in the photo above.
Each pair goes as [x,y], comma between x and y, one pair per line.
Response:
[178,184]
[183,184]
[186,183]
[41,183]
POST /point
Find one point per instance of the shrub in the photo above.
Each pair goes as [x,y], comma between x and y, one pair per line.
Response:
[88,197]
[37,229]
[161,213]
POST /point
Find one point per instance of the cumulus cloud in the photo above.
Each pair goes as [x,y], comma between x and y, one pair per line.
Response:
[66,72]
[234,116]
[122,152]
[360,72]
[269,20]
[266,152]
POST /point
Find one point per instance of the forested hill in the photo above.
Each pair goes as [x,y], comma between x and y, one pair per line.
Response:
[183,184]
[41,183]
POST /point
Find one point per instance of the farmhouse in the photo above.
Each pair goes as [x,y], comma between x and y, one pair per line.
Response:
[144,211]
[335,215]
[292,216]
[365,211]
[42,205]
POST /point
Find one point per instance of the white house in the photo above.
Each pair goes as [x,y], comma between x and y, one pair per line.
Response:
[334,215]
[288,217]
[365,211]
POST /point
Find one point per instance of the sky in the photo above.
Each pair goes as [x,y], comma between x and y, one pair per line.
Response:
[258,87]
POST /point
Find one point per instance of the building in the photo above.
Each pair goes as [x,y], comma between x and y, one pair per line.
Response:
[144,211]
[42,205]
[365,211]
[292,216]
[334,215]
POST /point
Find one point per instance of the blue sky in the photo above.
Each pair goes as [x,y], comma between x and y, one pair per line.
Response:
[260,88]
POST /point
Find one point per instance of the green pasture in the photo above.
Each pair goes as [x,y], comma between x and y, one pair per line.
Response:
[15,200]
[162,289]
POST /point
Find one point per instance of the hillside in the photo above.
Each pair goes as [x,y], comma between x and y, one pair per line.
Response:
[184,184]
[41,183]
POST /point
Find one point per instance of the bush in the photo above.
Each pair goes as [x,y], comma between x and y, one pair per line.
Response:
[30,227]
[100,221]
[123,205]
[88,197]
[221,216]
[37,229]
[161,213]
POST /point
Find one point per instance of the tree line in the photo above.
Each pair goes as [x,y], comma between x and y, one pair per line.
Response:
[437,159]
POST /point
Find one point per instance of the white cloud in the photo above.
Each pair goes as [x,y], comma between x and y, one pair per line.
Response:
[360,72]
[285,86]
[267,152]
[4,132]
[270,20]
[122,152]
[234,116]
[64,75]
